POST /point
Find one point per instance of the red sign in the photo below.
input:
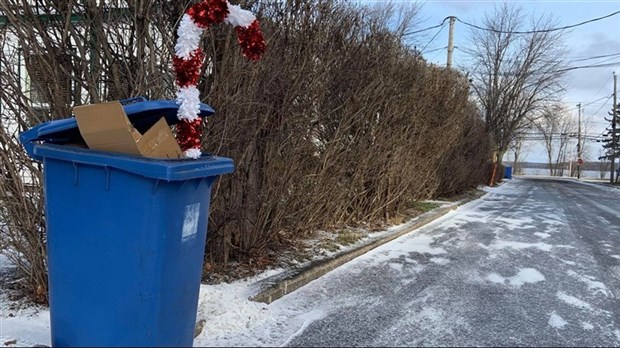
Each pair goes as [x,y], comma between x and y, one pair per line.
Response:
[580,161]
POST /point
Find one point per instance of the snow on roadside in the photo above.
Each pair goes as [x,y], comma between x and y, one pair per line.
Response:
[230,318]
[21,325]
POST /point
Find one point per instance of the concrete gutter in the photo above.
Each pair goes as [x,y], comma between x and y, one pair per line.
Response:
[279,285]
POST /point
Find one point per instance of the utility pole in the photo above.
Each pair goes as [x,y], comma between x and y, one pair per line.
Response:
[450,41]
[613,135]
[579,142]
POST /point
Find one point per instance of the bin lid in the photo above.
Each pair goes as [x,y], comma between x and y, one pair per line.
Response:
[141,112]
[153,168]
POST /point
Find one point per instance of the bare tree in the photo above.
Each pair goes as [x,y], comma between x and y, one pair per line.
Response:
[517,148]
[517,70]
[556,127]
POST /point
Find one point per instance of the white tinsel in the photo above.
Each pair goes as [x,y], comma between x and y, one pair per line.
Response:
[189,37]
[192,153]
[238,16]
[189,100]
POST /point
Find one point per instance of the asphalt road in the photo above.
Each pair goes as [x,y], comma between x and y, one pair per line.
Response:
[535,262]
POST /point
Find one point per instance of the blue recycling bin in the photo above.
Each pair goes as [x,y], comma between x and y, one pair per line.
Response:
[125,236]
[508,172]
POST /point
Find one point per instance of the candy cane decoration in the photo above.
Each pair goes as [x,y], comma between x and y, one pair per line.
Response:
[189,57]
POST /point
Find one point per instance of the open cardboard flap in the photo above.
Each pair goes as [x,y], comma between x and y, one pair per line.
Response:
[105,127]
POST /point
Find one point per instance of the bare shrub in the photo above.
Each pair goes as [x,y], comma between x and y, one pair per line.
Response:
[340,124]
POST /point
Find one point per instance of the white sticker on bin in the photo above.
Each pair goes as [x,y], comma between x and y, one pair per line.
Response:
[190,221]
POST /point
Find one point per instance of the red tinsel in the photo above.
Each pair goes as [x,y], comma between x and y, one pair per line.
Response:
[188,133]
[188,71]
[251,41]
[208,12]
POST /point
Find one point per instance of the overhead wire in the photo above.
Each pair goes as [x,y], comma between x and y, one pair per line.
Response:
[509,73]
[511,32]
[613,56]
[436,49]
[590,103]
[597,57]
[537,31]
[599,109]
[434,37]
[605,65]
[429,28]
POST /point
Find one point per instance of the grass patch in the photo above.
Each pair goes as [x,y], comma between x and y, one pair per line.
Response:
[471,194]
[328,245]
[347,237]
[397,220]
[425,206]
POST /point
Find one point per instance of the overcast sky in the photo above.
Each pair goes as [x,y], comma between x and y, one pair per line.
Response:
[587,86]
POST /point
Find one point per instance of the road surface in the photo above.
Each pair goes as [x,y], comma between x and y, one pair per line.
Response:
[535,262]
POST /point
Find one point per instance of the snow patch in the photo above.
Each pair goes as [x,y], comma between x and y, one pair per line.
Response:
[542,235]
[496,278]
[398,267]
[29,326]
[595,286]
[502,244]
[431,314]
[308,319]
[556,321]
[422,244]
[525,275]
[616,256]
[403,247]
[573,301]
[406,281]
[587,326]
[237,315]
[511,223]
[439,260]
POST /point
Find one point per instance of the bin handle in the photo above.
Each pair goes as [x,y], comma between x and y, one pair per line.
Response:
[132,100]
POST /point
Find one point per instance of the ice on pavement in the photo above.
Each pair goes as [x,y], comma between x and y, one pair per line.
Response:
[573,301]
[556,321]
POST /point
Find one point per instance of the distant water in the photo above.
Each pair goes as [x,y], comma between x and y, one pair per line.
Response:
[590,174]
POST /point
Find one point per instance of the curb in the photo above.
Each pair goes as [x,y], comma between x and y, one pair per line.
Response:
[291,281]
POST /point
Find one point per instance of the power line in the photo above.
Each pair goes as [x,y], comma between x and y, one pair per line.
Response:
[587,67]
[605,84]
[434,37]
[599,109]
[429,28]
[508,73]
[436,49]
[511,32]
[538,31]
[597,57]
[590,103]
[472,52]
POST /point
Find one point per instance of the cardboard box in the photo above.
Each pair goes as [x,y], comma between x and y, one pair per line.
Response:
[105,127]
